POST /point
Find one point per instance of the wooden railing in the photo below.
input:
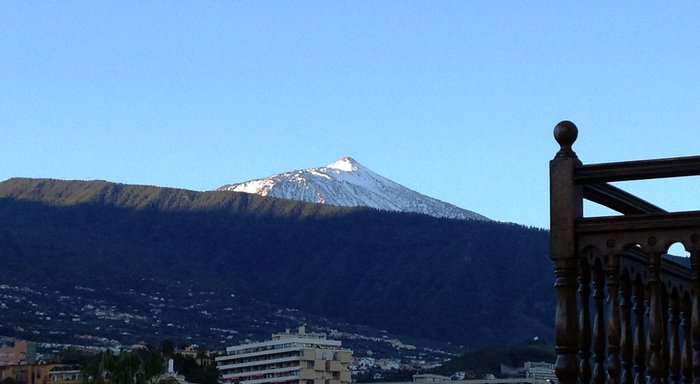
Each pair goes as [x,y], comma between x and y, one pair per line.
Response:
[625,313]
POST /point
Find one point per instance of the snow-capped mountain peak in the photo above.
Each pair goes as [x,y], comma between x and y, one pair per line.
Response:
[347,183]
[347,164]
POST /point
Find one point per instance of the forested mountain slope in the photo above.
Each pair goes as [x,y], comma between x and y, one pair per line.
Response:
[471,282]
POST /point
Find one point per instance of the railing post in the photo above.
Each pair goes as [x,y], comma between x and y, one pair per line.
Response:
[566,204]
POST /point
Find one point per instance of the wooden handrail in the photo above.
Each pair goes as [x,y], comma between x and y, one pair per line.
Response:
[637,170]
[618,200]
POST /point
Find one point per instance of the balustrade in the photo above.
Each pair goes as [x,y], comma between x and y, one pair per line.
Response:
[626,314]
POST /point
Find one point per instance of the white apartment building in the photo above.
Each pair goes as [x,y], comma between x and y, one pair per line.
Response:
[542,371]
[289,358]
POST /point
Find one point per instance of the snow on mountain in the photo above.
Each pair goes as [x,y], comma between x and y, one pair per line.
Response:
[347,183]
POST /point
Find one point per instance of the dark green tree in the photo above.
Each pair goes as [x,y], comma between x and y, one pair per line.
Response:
[202,353]
[194,372]
[153,364]
[168,348]
[71,355]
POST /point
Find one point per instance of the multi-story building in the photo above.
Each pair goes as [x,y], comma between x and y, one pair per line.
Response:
[542,371]
[289,358]
[17,358]
[17,352]
[41,373]
[18,362]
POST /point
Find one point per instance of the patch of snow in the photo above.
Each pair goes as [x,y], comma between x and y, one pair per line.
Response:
[347,164]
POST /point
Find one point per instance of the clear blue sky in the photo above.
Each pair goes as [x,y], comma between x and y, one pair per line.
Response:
[456,100]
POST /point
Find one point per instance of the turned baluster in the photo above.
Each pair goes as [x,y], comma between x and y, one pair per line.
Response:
[585,324]
[675,345]
[656,326]
[626,342]
[613,284]
[687,359]
[639,334]
[665,340]
[598,325]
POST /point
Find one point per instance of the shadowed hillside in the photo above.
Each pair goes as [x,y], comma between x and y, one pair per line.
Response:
[470,282]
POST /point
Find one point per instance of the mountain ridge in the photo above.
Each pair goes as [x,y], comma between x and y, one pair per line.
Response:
[348,183]
[72,192]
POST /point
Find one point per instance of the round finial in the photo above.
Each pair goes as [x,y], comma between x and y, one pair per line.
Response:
[565,133]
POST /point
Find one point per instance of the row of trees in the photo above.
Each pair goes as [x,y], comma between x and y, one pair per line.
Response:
[141,366]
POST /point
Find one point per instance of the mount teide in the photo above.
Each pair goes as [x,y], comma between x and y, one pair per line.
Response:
[211,258]
[347,183]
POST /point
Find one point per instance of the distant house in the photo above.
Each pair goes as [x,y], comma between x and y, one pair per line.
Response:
[201,355]
[65,374]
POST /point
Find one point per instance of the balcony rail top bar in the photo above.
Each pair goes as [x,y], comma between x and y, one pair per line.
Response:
[638,170]
[625,313]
